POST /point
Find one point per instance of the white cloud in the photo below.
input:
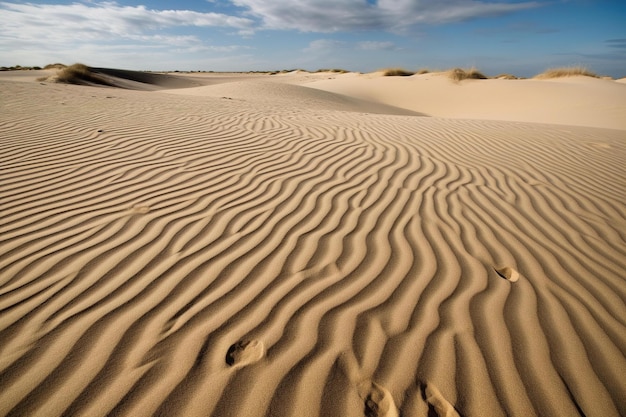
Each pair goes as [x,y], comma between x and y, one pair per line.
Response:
[389,15]
[95,32]
[100,21]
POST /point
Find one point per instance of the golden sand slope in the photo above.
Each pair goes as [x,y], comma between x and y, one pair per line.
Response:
[194,256]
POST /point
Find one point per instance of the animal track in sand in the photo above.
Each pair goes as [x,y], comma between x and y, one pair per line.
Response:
[245,353]
[508,273]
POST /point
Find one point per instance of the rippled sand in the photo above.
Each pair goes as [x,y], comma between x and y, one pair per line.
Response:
[256,247]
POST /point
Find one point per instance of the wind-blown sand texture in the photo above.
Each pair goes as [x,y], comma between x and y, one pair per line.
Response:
[255,247]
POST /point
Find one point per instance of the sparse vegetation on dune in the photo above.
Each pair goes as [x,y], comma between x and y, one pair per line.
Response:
[460,74]
[79,74]
[82,74]
[565,72]
[19,68]
[337,70]
[56,65]
[397,72]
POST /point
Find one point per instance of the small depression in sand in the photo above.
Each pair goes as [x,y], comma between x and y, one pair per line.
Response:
[245,353]
[508,273]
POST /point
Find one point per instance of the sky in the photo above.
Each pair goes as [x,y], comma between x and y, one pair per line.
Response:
[496,36]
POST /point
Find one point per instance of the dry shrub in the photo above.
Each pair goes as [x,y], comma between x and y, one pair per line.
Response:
[397,72]
[460,74]
[565,72]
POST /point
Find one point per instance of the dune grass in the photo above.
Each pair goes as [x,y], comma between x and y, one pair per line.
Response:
[460,74]
[397,72]
[79,74]
[336,70]
[565,72]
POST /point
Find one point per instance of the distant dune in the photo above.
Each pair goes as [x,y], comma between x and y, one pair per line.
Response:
[575,100]
[308,244]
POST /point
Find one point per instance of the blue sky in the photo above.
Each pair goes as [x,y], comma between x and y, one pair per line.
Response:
[496,36]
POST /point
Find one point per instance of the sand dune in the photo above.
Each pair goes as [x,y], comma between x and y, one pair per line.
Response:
[262,248]
[579,101]
[277,91]
[136,80]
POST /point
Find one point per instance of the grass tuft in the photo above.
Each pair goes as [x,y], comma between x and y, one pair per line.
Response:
[565,72]
[460,74]
[397,72]
[337,70]
[79,74]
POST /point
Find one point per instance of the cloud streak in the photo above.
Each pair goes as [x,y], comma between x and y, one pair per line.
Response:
[102,21]
[324,45]
[616,43]
[376,46]
[386,15]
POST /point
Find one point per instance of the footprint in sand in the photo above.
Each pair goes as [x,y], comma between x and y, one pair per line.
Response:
[508,273]
[378,401]
[245,353]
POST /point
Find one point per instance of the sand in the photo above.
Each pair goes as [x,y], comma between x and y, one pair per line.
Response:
[312,245]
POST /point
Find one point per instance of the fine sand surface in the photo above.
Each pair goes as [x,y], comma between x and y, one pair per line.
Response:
[251,246]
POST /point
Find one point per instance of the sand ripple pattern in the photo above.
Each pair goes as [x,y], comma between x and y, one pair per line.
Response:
[376,264]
